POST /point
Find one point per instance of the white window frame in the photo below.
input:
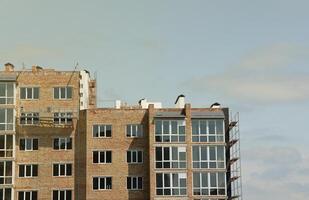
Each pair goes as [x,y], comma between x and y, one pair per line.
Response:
[180,176]
[4,193]
[134,130]
[136,179]
[99,156]
[171,136]
[218,137]
[26,93]
[67,116]
[6,97]
[65,193]
[65,169]
[29,118]
[209,187]
[5,177]
[208,162]
[136,151]
[25,170]
[31,143]
[6,124]
[5,149]
[171,161]
[105,183]
[27,191]
[66,140]
[104,126]
[65,92]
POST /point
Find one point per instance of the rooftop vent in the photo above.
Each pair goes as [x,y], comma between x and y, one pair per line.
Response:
[36,68]
[8,67]
[215,105]
[180,101]
[144,104]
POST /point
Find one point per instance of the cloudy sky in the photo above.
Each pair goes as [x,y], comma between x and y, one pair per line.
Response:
[251,56]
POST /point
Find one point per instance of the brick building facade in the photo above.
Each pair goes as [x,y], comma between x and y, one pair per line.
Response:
[56,144]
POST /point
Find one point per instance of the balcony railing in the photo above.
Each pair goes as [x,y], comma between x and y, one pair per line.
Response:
[45,122]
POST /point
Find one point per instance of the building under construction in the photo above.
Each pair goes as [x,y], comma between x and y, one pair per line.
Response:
[56,144]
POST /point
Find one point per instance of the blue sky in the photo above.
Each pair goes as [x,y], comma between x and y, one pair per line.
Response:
[252,56]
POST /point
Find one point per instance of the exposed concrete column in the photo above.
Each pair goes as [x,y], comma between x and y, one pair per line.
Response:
[189,149]
[151,129]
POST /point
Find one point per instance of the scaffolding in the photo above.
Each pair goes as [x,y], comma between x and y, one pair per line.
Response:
[234,162]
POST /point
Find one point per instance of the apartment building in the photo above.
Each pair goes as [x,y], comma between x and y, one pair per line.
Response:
[56,144]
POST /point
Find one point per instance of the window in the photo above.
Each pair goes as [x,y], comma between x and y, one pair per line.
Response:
[171,157]
[7,93]
[29,92]
[170,131]
[27,195]
[29,118]
[134,130]
[102,156]
[171,184]
[208,156]
[63,118]
[208,130]
[134,183]
[62,169]
[63,93]
[5,193]
[28,144]
[134,156]
[209,183]
[28,170]
[62,143]
[6,119]
[5,172]
[102,183]
[6,146]
[102,131]
[62,195]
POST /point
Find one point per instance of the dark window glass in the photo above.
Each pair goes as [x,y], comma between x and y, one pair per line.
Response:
[20,196]
[140,156]
[95,157]
[36,92]
[69,143]
[55,195]
[28,170]
[108,182]
[140,183]
[95,131]
[21,170]
[8,193]
[34,170]
[62,193]
[69,92]
[62,169]
[28,195]
[108,157]
[69,195]
[128,156]
[95,183]
[55,170]
[158,153]
[34,195]
[128,182]
[35,144]
[56,144]
[69,169]
[108,131]
[159,180]
[22,144]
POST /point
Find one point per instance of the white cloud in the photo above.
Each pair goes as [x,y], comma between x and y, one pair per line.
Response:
[265,76]
[275,173]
